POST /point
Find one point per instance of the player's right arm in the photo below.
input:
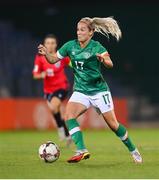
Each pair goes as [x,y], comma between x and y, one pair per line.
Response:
[53,58]
[105,59]
[38,73]
[41,75]
[104,56]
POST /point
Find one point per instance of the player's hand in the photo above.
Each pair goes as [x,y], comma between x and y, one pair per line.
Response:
[42,50]
[100,57]
[43,74]
[105,59]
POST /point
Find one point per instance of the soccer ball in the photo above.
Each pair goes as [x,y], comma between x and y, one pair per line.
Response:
[49,152]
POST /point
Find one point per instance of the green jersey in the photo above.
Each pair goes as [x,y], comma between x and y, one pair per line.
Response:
[87,68]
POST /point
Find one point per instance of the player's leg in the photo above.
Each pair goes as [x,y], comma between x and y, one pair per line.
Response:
[76,106]
[54,105]
[67,135]
[122,133]
[106,107]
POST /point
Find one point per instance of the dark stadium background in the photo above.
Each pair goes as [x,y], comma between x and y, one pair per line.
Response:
[135,76]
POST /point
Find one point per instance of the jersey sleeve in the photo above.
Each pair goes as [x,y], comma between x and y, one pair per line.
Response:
[37,65]
[63,51]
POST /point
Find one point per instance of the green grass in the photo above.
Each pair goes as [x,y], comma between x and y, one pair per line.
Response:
[109,157]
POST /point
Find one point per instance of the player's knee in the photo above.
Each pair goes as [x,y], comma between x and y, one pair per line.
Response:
[114,126]
[54,109]
[69,115]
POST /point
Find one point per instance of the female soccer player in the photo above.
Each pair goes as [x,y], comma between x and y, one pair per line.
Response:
[55,83]
[90,89]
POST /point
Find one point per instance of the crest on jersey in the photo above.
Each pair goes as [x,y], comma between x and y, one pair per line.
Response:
[87,55]
[57,65]
[50,72]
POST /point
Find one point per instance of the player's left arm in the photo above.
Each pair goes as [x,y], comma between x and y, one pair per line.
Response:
[105,59]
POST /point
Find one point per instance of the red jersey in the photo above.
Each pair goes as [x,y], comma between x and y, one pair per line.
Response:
[55,75]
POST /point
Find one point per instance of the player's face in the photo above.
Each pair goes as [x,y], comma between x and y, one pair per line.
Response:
[83,32]
[50,44]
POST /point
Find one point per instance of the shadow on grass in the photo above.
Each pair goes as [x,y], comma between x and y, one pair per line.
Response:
[101,165]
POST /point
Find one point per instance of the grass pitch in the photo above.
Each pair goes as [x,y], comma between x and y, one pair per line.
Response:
[109,157]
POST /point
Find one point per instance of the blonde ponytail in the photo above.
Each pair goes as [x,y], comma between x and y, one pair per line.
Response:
[104,26]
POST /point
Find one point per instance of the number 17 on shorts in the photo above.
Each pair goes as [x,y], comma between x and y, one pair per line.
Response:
[105,102]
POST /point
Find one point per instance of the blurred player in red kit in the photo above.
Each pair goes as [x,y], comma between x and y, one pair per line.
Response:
[55,84]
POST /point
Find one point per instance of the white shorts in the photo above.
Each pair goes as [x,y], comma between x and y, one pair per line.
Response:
[101,101]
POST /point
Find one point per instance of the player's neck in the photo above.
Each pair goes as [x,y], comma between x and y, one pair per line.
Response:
[84,44]
[52,52]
